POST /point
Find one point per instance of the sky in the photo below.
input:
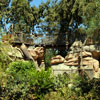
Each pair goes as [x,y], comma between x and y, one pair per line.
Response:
[37,2]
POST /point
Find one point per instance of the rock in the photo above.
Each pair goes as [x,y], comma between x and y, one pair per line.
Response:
[96,55]
[39,51]
[57,60]
[96,65]
[37,54]
[26,52]
[15,52]
[71,56]
[33,54]
[61,69]
[86,48]
[77,43]
[92,48]
[86,54]
[71,64]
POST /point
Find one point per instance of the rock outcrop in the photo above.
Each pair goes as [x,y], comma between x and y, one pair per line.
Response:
[37,53]
[25,53]
[85,56]
[57,60]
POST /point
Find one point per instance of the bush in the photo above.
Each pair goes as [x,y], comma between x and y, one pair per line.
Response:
[4,58]
[44,83]
[19,75]
[23,81]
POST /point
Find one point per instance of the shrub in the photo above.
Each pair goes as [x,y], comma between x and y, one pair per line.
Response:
[4,58]
[18,77]
[23,81]
[44,83]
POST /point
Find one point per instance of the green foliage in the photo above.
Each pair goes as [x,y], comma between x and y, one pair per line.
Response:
[48,55]
[23,81]
[4,58]
[18,78]
[44,83]
[75,87]
[89,10]
[62,81]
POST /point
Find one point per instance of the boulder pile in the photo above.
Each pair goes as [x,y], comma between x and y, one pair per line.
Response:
[89,59]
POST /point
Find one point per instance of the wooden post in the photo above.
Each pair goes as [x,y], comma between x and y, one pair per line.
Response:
[80,63]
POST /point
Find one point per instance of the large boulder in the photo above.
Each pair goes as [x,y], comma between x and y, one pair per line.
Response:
[13,52]
[33,54]
[57,60]
[71,56]
[37,53]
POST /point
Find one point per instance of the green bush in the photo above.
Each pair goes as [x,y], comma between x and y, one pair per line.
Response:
[76,87]
[44,83]
[19,75]
[24,81]
[4,58]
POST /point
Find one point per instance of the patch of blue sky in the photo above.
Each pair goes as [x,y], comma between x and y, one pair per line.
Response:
[82,26]
[37,2]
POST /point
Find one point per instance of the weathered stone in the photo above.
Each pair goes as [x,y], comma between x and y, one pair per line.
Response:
[25,51]
[86,48]
[61,68]
[71,64]
[71,56]
[86,54]
[39,51]
[92,47]
[33,54]
[57,60]
[15,52]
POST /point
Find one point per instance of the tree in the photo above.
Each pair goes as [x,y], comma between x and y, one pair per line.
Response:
[62,18]
[89,10]
[23,16]
[4,4]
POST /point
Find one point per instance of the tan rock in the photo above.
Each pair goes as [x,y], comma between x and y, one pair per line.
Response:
[87,59]
[57,60]
[71,64]
[71,56]
[33,54]
[72,60]
[86,54]
[39,51]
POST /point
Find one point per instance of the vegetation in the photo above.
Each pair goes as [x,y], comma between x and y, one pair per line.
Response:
[69,20]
